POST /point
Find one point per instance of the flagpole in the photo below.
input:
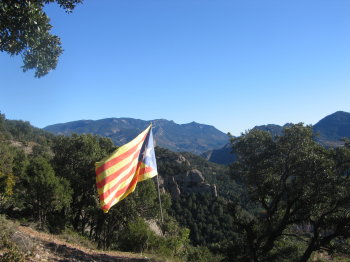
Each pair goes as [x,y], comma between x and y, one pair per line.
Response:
[160,201]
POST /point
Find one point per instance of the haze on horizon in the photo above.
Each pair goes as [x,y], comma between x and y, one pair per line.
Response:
[230,64]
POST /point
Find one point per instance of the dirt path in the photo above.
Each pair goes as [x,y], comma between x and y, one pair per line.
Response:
[46,247]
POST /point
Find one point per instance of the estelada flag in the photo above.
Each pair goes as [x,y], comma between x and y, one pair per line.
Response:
[117,175]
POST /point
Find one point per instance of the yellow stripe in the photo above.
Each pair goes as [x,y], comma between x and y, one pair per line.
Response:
[124,148]
[129,191]
[118,166]
[122,185]
[121,197]
[117,179]
[147,176]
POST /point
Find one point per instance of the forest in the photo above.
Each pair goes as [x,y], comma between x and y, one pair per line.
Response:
[286,197]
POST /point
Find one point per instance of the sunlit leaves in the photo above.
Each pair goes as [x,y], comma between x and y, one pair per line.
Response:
[25,30]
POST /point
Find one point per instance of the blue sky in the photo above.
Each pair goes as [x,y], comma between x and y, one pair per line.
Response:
[231,64]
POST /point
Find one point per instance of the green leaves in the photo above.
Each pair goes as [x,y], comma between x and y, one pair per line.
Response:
[25,30]
[46,193]
[292,182]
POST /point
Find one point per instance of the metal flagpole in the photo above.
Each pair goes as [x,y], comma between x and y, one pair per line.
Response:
[159,199]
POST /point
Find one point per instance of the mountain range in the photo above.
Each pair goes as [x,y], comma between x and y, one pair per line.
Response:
[201,139]
[192,137]
[329,132]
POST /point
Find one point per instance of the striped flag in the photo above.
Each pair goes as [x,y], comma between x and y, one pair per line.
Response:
[118,174]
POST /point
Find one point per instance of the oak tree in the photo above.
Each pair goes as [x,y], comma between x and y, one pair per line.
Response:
[297,198]
[25,30]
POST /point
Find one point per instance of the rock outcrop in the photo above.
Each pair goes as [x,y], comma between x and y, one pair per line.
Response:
[190,182]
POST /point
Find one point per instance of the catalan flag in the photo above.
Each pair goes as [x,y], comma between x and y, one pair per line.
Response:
[117,175]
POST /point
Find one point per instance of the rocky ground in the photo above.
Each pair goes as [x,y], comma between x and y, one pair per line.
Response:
[41,247]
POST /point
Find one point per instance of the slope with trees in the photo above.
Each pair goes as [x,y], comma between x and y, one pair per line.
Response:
[297,197]
[53,185]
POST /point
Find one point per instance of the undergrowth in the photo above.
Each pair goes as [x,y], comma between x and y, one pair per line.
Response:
[10,250]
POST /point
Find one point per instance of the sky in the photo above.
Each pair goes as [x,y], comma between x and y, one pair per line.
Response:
[233,64]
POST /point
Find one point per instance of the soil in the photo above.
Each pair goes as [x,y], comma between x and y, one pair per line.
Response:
[42,247]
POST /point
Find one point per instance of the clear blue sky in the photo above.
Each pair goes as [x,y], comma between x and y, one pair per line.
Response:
[231,64]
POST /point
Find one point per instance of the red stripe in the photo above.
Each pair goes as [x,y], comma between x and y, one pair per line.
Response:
[113,176]
[145,170]
[119,158]
[120,192]
[105,194]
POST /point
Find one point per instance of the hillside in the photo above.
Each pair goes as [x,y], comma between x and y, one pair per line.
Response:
[186,173]
[222,156]
[197,196]
[333,128]
[192,137]
[64,167]
[34,246]
[329,131]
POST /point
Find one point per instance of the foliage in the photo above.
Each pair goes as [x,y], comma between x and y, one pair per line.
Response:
[108,228]
[6,186]
[168,164]
[202,254]
[54,184]
[215,174]
[46,193]
[74,159]
[12,166]
[12,253]
[7,227]
[22,131]
[25,30]
[207,218]
[75,238]
[137,237]
[297,197]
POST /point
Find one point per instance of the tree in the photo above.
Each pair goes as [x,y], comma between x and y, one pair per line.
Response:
[7,179]
[74,159]
[45,192]
[297,197]
[25,30]
[108,228]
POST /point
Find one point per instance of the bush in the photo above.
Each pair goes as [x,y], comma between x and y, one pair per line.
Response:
[137,237]
[12,252]
[7,227]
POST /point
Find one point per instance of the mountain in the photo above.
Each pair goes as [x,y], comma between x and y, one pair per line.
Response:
[333,128]
[206,140]
[192,137]
[329,132]
[222,156]
[225,156]
[186,173]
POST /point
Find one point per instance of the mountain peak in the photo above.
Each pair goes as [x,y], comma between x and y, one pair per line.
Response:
[332,128]
[192,137]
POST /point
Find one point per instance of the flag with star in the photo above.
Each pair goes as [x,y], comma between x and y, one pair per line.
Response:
[118,174]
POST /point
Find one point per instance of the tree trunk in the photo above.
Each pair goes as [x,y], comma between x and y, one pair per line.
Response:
[305,257]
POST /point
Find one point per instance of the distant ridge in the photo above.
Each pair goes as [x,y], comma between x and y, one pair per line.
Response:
[205,140]
[329,131]
[222,156]
[192,137]
[333,128]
